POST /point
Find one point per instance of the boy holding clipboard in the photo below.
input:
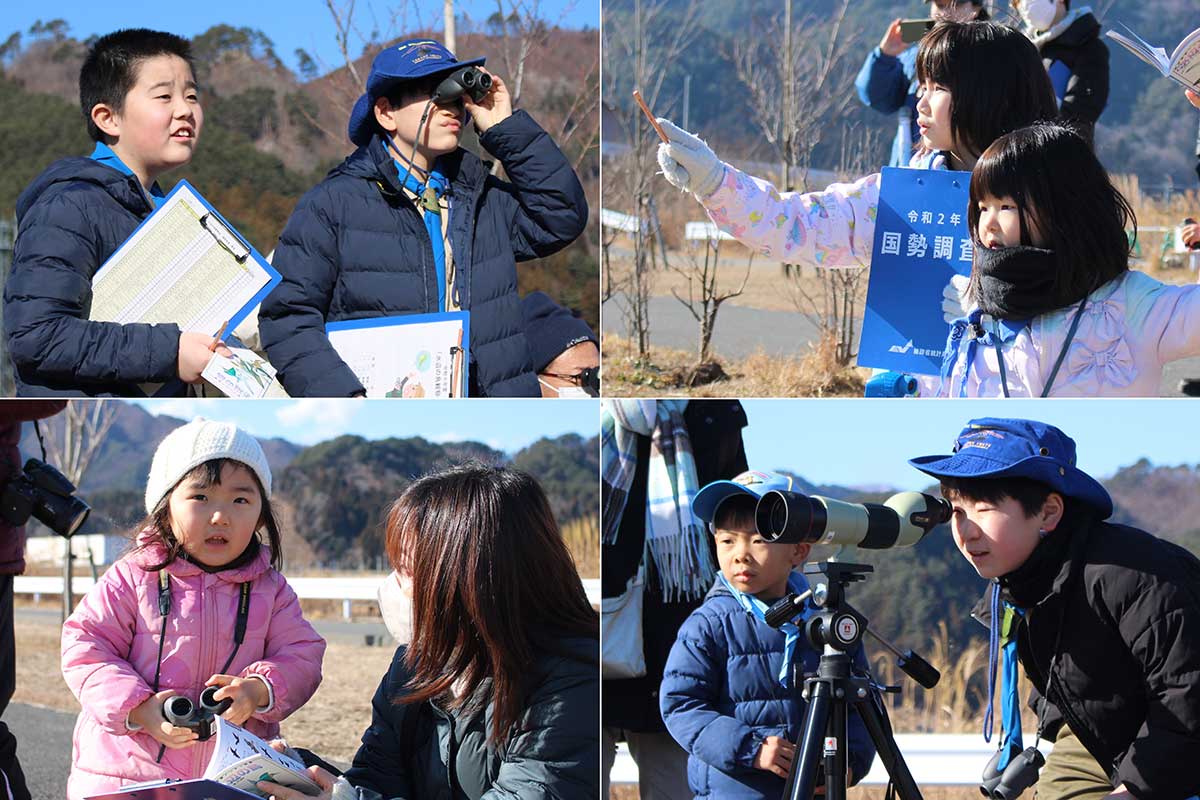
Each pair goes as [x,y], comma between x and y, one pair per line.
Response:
[410,223]
[138,93]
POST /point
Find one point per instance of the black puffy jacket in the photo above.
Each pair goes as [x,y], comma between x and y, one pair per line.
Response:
[69,221]
[1126,605]
[356,248]
[1077,62]
[553,750]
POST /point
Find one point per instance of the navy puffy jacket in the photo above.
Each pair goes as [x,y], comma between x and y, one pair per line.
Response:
[356,248]
[721,697]
[69,221]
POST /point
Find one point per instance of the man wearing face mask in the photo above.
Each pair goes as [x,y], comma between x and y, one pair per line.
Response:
[565,351]
[887,81]
[1075,56]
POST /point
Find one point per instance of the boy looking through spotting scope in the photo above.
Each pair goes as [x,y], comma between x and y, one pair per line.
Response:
[731,689]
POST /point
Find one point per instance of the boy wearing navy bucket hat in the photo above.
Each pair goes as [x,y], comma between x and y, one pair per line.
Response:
[1104,618]
[730,693]
[410,223]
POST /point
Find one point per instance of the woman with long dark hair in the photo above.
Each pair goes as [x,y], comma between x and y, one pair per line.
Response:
[498,693]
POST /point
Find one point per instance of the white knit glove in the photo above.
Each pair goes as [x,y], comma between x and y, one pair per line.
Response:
[954,298]
[688,163]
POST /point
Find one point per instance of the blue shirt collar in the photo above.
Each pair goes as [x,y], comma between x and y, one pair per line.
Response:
[106,156]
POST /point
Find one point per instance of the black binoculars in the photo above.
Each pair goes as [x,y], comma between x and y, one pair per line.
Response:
[1019,774]
[465,80]
[178,710]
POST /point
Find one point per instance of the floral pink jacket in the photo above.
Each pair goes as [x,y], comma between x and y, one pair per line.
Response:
[110,649]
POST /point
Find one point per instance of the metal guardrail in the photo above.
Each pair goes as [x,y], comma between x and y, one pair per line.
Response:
[935,759]
[345,589]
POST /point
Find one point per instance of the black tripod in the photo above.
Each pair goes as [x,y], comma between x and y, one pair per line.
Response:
[834,631]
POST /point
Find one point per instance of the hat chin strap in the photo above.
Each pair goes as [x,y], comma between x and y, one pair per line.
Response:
[416,143]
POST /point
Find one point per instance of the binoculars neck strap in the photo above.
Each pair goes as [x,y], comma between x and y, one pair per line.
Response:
[164,610]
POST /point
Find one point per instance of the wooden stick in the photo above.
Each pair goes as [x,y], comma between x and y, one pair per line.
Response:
[650,116]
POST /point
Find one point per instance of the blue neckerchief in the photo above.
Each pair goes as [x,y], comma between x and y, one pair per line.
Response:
[433,219]
[1002,331]
[796,584]
[105,155]
[1011,740]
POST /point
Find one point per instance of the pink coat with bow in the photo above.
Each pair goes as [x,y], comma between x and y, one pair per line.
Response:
[110,649]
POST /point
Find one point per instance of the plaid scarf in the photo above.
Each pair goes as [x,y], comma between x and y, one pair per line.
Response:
[676,541]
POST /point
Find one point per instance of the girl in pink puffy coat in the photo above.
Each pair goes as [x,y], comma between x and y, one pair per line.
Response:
[199,602]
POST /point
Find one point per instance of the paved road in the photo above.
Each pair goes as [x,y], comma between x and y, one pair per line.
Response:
[43,746]
[741,331]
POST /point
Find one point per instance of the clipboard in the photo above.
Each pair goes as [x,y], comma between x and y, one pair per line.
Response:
[407,356]
[184,264]
[921,240]
[194,789]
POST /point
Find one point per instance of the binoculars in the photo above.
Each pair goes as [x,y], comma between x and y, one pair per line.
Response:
[1020,773]
[178,710]
[465,80]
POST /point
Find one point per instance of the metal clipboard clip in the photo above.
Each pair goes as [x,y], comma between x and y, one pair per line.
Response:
[225,237]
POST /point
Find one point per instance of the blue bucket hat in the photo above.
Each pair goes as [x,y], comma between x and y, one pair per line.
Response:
[406,61]
[1018,448]
[754,484]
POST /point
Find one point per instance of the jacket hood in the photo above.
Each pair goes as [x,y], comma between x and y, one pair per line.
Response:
[151,550]
[123,188]
[1078,27]
[373,161]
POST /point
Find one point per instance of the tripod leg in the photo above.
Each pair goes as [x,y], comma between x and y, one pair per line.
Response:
[835,755]
[874,717]
[803,779]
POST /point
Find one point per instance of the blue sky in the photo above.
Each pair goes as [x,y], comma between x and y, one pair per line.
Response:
[507,425]
[867,442]
[290,24]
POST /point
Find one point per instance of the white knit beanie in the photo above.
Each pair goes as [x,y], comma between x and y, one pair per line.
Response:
[202,440]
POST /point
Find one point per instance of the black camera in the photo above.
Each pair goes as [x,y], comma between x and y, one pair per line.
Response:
[1020,773]
[178,710]
[465,80]
[43,492]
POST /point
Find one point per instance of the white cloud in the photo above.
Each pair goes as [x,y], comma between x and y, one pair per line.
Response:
[184,407]
[312,421]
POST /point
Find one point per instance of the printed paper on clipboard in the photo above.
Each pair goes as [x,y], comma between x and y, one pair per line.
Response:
[410,356]
[184,264]
[921,240]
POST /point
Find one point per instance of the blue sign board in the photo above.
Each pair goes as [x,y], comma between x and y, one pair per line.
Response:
[921,240]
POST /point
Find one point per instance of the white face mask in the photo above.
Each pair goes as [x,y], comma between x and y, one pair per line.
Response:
[1039,14]
[395,603]
[567,392]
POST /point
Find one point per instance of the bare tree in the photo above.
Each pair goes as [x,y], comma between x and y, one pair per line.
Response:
[797,83]
[703,298]
[72,440]
[448,25]
[834,296]
[640,49]
[799,90]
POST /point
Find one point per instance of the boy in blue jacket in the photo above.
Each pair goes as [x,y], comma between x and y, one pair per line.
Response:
[416,227]
[138,94]
[731,689]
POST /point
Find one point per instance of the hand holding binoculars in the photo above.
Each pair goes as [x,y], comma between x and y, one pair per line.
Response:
[465,80]
[180,711]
